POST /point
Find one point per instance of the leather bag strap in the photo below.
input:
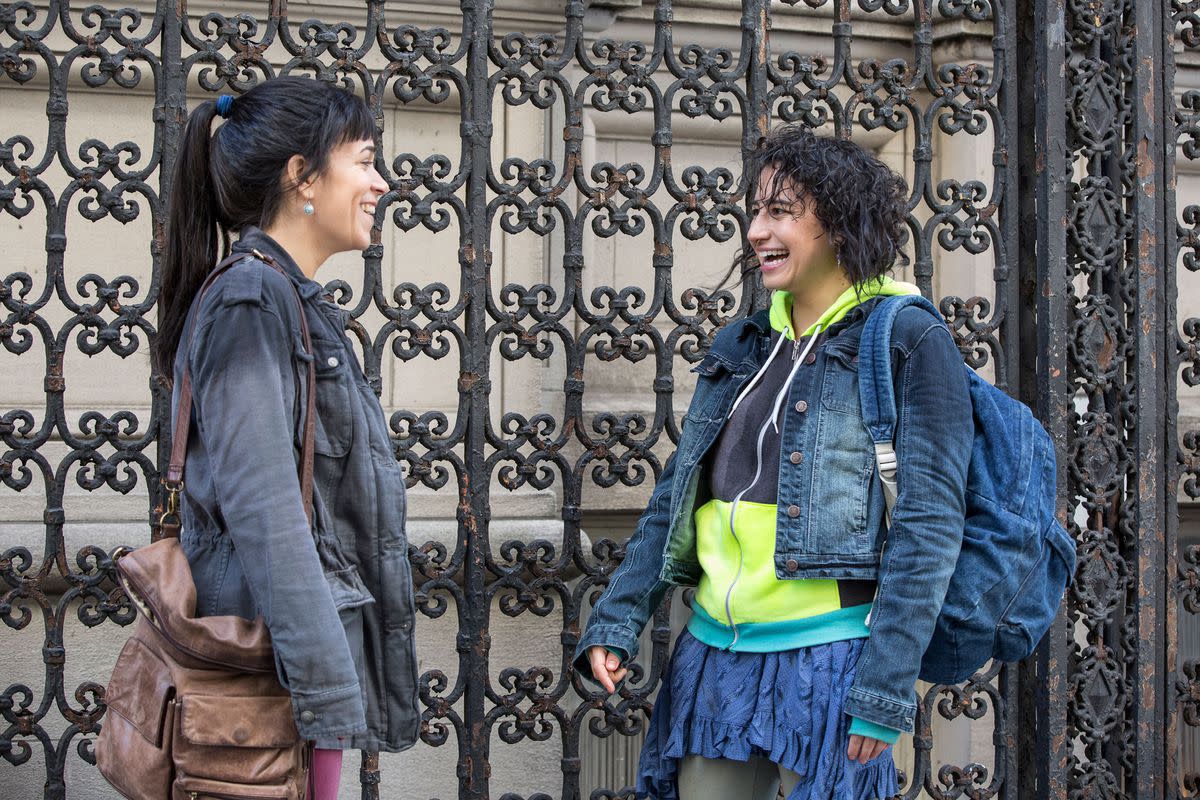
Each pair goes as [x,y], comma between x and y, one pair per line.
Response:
[170,521]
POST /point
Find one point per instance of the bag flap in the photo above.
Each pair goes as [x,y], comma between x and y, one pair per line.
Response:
[159,581]
[140,689]
[222,721]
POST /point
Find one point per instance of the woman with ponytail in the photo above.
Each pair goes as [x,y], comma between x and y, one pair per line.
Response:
[287,179]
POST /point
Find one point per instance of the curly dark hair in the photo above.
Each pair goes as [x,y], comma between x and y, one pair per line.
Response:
[858,199]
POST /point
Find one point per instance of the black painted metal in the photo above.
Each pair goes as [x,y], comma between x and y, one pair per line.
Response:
[1077,223]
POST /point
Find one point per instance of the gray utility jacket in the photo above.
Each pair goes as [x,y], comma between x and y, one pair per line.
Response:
[341,612]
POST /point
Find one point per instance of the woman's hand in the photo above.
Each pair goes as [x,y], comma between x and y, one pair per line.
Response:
[863,748]
[606,668]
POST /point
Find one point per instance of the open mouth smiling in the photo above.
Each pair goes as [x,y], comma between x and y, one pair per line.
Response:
[770,259]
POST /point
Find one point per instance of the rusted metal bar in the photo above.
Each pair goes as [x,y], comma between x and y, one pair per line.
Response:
[475,384]
[1150,134]
[1043,247]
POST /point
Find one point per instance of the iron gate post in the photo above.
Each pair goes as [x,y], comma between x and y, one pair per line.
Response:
[1150,137]
[1045,381]
[474,387]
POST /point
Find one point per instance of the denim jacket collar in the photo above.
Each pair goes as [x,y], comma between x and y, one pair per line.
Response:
[254,238]
[756,329]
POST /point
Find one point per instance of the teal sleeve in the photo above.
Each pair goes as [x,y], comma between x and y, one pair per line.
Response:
[861,727]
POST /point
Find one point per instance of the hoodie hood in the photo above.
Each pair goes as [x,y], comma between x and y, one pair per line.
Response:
[781,304]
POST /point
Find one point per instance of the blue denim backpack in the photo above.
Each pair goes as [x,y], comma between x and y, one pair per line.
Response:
[1016,559]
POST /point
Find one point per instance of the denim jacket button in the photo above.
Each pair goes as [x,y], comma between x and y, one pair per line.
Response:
[793,511]
[811,359]
[796,457]
[801,406]
[308,717]
[792,565]
[332,361]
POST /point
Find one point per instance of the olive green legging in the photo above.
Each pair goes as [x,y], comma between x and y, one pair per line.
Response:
[722,778]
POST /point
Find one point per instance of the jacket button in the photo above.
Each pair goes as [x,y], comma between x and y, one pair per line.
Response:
[308,717]
[332,361]
[811,359]
[791,565]
[793,511]
[801,406]
[796,457]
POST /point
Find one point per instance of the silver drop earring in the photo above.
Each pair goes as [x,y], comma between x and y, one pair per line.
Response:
[308,209]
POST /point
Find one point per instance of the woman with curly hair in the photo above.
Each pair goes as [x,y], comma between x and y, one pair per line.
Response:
[810,614]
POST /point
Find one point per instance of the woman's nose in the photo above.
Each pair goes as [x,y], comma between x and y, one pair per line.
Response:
[758,227]
[379,185]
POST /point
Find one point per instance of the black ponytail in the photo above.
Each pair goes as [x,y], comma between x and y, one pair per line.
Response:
[234,178]
[193,234]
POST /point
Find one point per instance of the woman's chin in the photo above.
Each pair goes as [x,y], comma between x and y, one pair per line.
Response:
[774,280]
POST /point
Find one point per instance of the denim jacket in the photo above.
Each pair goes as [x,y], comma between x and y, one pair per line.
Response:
[337,597]
[830,520]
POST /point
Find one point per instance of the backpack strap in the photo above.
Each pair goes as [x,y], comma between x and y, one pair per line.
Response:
[170,522]
[876,394]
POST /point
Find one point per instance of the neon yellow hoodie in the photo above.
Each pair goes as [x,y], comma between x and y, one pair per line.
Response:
[740,604]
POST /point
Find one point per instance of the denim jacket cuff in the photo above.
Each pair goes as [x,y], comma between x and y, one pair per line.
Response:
[880,710]
[327,715]
[613,637]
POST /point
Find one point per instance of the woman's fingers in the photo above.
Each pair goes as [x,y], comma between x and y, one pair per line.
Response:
[863,748]
[608,676]
[855,748]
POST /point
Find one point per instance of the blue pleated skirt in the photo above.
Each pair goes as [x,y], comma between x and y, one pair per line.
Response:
[784,706]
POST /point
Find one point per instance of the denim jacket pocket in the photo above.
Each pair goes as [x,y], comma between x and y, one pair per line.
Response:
[335,424]
[839,387]
[347,589]
[714,374]
[844,463]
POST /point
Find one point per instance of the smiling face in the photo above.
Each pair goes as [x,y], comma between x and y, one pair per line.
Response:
[344,197]
[793,248]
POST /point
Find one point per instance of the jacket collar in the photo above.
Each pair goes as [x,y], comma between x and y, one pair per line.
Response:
[254,238]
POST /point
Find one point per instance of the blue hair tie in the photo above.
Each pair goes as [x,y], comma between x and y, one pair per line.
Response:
[224,104]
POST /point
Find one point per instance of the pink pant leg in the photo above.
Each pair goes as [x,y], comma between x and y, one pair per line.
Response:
[325,775]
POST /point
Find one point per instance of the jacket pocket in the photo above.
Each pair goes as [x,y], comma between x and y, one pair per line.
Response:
[842,473]
[839,387]
[335,419]
[347,589]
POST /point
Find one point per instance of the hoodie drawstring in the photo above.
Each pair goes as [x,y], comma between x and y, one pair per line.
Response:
[762,432]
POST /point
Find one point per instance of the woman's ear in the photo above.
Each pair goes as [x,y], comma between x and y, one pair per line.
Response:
[292,172]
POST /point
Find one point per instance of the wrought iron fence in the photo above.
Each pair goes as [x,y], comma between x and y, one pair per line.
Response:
[1072,223]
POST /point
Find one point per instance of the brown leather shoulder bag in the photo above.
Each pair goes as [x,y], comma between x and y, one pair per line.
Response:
[195,710]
